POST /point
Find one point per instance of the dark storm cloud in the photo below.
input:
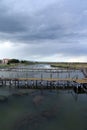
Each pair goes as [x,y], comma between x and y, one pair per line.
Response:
[43,24]
[47,23]
[9,23]
[51,27]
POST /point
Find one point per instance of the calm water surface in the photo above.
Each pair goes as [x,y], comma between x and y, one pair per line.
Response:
[42,110]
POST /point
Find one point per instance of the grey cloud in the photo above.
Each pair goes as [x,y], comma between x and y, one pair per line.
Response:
[53,47]
[55,28]
[10,24]
[48,23]
[30,26]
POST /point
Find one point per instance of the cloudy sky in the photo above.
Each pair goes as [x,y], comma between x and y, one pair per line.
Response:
[44,30]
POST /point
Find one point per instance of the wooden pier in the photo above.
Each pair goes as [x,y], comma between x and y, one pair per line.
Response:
[43,83]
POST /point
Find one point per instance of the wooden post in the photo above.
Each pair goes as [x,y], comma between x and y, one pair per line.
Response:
[18,83]
[2,82]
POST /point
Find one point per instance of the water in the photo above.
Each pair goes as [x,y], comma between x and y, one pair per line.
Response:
[28,74]
[43,110]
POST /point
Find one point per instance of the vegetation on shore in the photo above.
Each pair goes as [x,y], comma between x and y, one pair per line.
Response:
[70,65]
[15,62]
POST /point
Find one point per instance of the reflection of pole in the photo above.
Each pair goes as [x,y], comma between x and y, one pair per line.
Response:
[75,96]
[41,83]
[50,75]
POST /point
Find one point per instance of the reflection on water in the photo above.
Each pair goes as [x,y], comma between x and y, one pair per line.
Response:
[44,110]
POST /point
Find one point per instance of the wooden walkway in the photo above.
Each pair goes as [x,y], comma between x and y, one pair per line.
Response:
[42,82]
[82,80]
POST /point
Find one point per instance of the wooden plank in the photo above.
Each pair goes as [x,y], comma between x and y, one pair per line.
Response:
[84,80]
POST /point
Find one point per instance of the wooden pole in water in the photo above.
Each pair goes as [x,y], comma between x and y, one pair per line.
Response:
[18,83]
[47,84]
[5,82]
[36,83]
[2,82]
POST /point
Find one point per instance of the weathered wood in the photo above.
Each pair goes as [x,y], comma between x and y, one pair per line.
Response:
[42,82]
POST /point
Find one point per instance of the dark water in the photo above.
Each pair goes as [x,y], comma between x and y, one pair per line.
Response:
[44,110]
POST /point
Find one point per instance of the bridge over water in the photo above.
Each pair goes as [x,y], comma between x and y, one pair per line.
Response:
[44,83]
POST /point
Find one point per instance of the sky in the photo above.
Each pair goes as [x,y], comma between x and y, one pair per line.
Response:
[49,30]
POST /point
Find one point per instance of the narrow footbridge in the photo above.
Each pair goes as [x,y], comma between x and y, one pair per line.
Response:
[43,82]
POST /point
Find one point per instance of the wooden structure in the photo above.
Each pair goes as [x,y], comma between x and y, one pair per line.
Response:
[43,82]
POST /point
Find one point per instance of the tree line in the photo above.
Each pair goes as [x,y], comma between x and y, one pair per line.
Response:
[15,61]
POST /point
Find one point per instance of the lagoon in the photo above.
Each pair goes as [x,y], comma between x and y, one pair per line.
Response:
[42,109]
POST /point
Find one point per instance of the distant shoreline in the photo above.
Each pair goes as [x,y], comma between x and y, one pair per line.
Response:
[66,65]
[70,65]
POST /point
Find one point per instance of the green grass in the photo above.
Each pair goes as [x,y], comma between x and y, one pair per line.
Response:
[70,65]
